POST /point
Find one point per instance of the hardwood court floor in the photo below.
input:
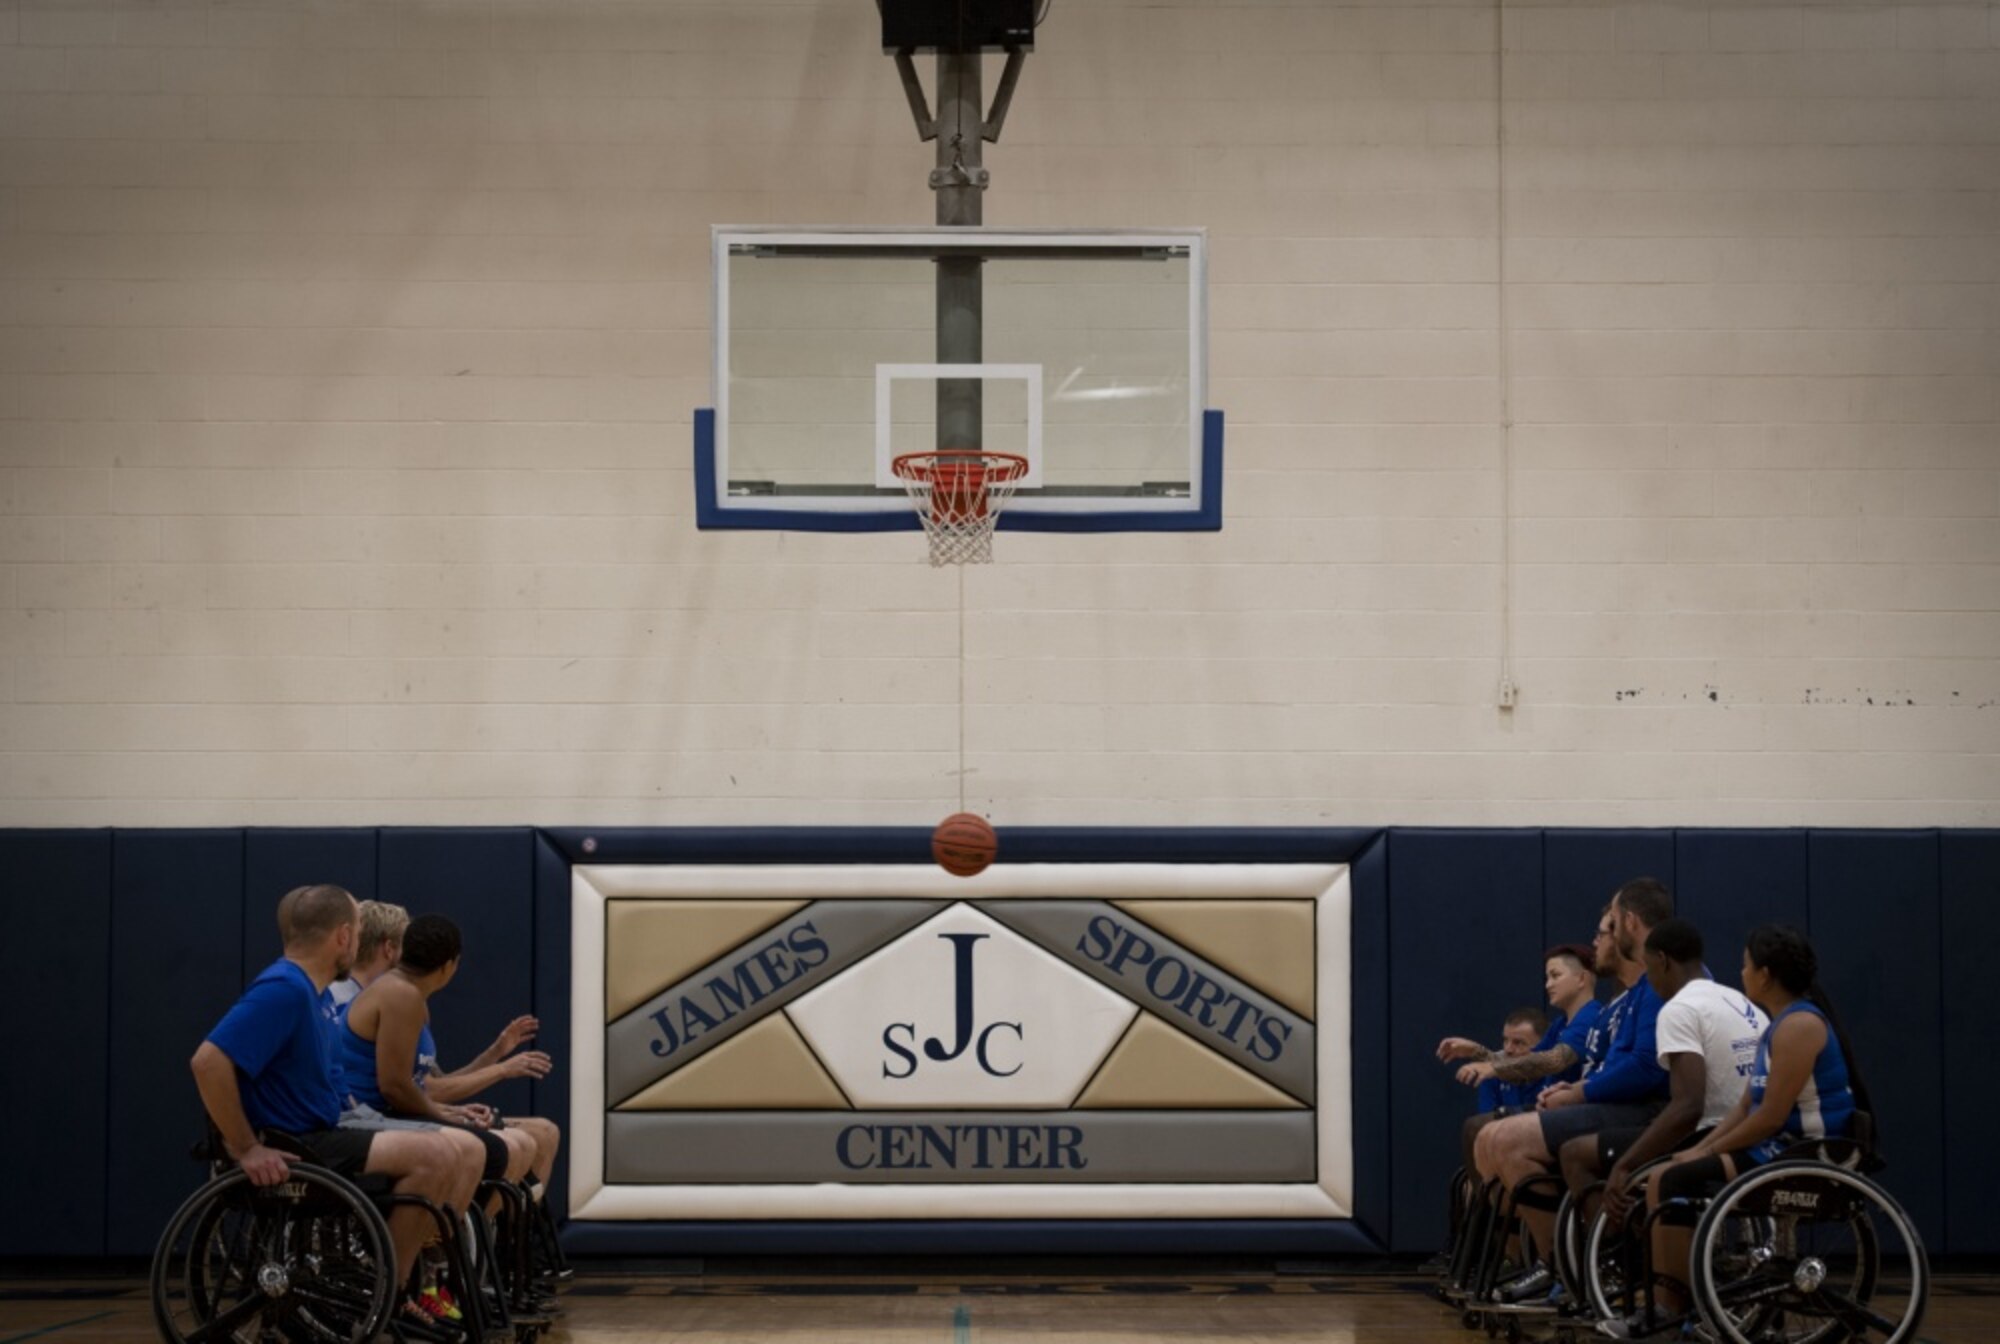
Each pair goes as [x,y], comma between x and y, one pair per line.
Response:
[1250,1307]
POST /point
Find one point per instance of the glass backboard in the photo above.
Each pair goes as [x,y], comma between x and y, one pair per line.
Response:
[1088,357]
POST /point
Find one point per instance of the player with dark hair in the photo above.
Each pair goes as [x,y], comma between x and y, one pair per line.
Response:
[1803,1084]
[265,1067]
[1707,1039]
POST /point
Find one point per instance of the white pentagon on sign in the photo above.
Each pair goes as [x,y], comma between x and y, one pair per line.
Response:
[901,1030]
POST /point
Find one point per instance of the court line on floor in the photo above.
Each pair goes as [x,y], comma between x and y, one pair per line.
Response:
[51,1329]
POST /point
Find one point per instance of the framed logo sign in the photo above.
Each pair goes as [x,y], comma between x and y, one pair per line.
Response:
[1042,1040]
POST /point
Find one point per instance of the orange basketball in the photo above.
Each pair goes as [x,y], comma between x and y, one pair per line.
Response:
[963,844]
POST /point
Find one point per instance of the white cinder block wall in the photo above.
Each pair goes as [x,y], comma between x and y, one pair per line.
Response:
[347,353]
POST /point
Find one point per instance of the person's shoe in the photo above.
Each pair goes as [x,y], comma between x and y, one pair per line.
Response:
[435,1303]
[1536,1282]
[1639,1325]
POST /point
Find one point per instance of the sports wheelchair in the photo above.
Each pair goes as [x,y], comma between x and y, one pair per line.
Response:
[309,1261]
[1806,1249]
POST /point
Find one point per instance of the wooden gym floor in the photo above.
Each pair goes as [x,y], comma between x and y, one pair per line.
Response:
[1248,1307]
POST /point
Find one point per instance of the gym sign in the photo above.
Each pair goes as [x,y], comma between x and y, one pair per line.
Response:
[1050,1040]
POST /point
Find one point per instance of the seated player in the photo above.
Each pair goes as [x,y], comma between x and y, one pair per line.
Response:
[387,1052]
[1519,1034]
[1707,1040]
[1569,977]
[264,1067]
[381,946]
[1626,1088]
[1803,1085]
[497,1063]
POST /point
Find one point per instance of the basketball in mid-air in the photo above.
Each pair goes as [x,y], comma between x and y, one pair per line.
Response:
[963,844]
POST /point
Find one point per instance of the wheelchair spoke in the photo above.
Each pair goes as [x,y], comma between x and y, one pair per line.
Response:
[1854,1315]
[225,1325]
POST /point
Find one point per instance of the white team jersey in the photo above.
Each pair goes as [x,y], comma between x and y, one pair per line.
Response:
[1721,1026]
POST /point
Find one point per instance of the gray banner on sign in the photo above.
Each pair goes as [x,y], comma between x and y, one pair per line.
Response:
[947,1147]
[702,1010]
[1180,987]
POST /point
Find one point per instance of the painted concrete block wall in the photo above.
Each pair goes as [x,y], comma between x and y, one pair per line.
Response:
[347,355]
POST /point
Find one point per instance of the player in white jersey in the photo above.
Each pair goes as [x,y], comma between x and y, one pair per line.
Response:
[1707,1042]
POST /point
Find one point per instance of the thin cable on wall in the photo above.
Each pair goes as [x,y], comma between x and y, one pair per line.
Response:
[1508,690]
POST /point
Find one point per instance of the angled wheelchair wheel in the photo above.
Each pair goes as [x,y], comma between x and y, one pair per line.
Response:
[306,1261]
[1806,1253]
[1607,1265]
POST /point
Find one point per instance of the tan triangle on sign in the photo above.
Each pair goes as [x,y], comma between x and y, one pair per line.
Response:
[649,944]
[768,1067]
[1266,944]
[1158,1068]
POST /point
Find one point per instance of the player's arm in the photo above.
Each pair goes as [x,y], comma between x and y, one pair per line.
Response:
[215,1079]
[1537,1064]
[473,1079]
[1688,1074]
[397,1027]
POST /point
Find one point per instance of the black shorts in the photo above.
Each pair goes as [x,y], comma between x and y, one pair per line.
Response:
[1612,1143]
[1698,1179]
[1563,1123]
[496,1151]
[342,1151]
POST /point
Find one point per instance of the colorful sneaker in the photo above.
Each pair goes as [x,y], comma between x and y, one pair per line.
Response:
[436,1303]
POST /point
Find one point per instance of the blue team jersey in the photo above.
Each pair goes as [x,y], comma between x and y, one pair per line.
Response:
[276,1037]
[1630,1071]
[1493,1094]
[1825,1105]
[1575,1033]
[356,1061]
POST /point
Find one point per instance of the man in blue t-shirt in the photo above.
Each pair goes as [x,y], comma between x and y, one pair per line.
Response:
[1623,1088]
[266,1066]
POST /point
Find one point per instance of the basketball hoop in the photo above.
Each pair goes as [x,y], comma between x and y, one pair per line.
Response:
[958,494]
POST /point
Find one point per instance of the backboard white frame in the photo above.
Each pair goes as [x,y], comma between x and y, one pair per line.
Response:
[887,374]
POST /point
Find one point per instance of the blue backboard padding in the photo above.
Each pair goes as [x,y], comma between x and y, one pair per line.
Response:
[1084,1237]
[1732,881]
[482,879]
[1465,942]
[1876,927]
[176,967]
[709,512]
[1970,863]
[58,921]
[1580,871]
[278,859]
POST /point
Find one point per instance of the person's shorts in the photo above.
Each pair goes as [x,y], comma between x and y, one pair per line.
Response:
[1699,1179]
[496,1151]
[342,1151]
[1560,1124]
[363,1116]
[1612,1143]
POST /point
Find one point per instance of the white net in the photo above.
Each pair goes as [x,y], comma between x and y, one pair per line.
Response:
[958,497]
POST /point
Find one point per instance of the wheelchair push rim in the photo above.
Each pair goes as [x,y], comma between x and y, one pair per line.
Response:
[308,1259]
[1834,1259]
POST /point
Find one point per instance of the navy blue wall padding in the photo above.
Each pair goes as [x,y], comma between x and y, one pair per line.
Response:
[1876,928]
[176,967]
[1369,883]
[482,879]
[552,957]
[1970,863]
[1580,870]
[58,920]
[1732,881]
[912,844]
[1464,947]
[276,860]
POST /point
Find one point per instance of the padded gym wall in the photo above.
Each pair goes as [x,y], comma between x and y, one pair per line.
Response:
[143,938]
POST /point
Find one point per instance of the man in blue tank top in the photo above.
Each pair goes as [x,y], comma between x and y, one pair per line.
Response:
[265,1067]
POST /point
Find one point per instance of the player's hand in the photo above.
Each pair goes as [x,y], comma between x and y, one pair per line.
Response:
[1562,1094]
[527,1064]
[522,1028]
[1457,1047]
[1472,1075]
[265,1166]
[1618,1199]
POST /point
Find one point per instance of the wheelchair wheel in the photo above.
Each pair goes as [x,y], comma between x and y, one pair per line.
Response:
[1607,1264]
[1805,1253]
[306,1261]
